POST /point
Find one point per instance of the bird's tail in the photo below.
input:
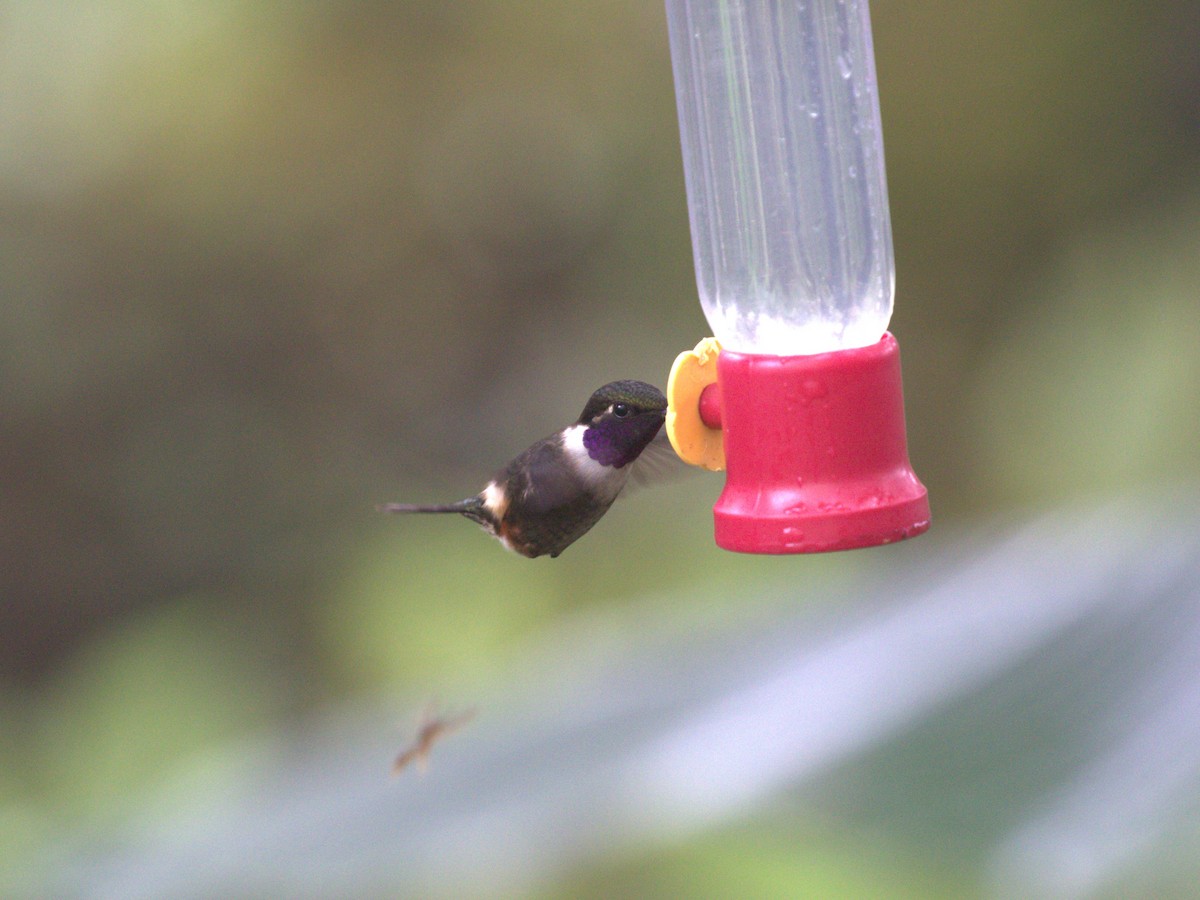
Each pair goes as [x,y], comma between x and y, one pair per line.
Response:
[466,507]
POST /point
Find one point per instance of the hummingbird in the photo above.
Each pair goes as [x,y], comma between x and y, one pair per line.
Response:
[552,494]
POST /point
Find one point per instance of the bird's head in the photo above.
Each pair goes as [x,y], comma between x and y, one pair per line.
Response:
[621,419]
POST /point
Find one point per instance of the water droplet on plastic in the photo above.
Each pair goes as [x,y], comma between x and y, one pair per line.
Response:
[814,388]
[844,66]
[793,538]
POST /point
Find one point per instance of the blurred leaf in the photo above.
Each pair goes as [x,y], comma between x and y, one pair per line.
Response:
[1100,385]
[434,602]
[141,698]
[794,860]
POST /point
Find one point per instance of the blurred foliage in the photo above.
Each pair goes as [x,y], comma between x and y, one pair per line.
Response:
[792,859]
[264,266]
[151,692]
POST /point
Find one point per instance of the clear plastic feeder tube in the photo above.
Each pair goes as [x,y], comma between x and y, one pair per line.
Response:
[783,158]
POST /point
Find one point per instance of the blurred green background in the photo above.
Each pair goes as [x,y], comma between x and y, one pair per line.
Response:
[263,266]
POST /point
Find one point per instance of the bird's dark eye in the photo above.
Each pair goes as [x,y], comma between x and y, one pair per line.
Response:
[621,410]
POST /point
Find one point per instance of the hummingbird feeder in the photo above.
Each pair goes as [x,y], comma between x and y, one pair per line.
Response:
[799,395]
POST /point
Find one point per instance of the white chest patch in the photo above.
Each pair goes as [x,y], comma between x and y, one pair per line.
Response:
[604,481]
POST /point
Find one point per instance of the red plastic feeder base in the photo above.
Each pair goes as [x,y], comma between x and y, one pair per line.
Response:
[816,452]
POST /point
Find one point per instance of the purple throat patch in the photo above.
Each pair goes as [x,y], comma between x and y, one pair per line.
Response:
[603,448]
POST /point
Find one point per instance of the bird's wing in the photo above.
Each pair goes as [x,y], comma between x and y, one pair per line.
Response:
[543,465]
[658,463]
